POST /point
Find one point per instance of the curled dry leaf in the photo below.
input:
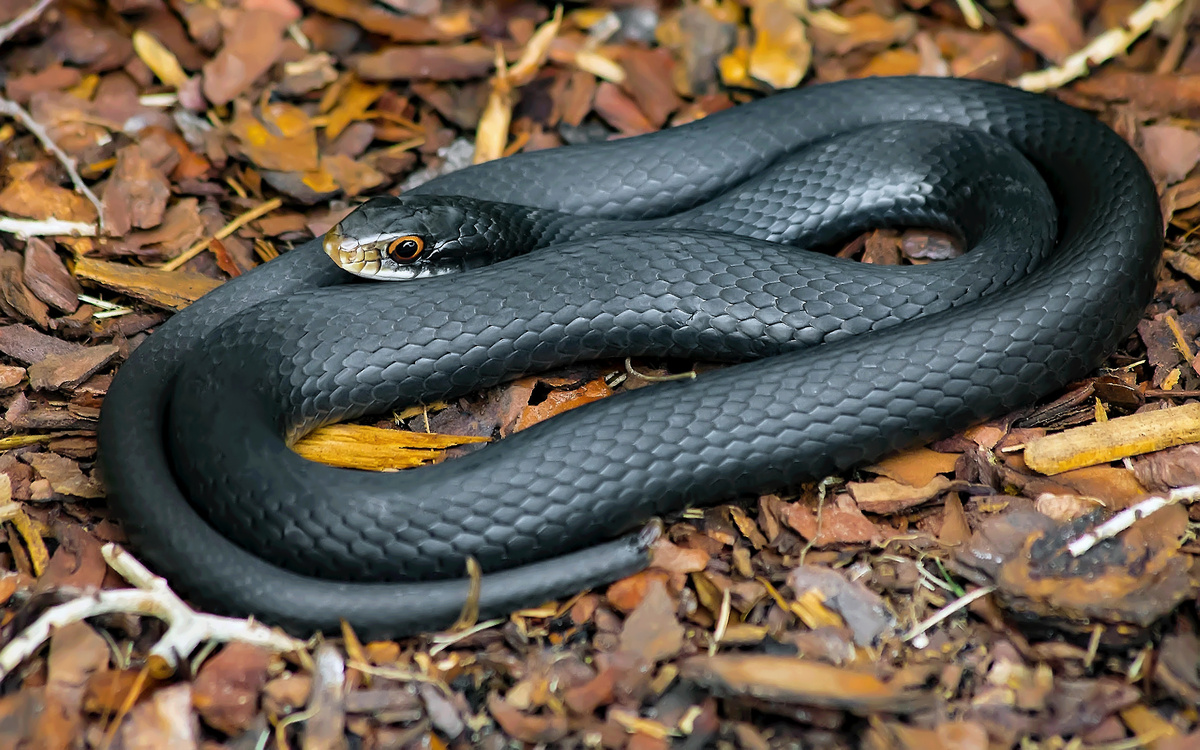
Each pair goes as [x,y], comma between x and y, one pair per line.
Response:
[1170,151]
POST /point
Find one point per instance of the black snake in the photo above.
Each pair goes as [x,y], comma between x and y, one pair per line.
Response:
[671,244]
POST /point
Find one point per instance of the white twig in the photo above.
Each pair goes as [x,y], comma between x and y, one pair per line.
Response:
[9,30]
[1101,49]
[948,610]
[1130,516]
[186,628]
[44,227]
[17,112]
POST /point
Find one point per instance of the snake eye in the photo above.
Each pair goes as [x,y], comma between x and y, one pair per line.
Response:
[405,249]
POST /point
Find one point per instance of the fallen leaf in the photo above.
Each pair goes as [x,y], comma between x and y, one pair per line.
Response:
[226,689]
[136,193]
[781,53]
[165,719]
[283,140]
[544,728]
[620,110]
[1170,151]
[652,631]
[29,193]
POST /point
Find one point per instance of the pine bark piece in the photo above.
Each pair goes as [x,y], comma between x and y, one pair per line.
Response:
[173,290]
[29,346]
[48,278]
[70,370]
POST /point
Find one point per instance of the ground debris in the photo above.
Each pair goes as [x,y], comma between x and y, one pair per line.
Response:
[931,600]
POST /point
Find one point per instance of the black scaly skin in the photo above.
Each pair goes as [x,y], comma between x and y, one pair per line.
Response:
[902,355]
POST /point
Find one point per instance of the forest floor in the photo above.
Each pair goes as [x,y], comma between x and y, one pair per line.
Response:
[153,149]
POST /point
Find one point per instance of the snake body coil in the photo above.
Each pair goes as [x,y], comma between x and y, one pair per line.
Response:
[672,244]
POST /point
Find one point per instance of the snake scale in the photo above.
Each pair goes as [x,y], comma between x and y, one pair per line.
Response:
[691,243]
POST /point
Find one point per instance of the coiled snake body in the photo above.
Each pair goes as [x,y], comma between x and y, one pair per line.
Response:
[675,245]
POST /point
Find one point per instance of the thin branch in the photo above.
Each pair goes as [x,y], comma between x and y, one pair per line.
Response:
[17,112]
[186,628]
[10,29]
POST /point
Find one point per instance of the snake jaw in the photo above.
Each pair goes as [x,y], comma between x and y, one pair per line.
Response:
[352,254]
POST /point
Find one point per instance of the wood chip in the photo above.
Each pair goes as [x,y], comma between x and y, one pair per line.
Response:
[1113,440]
[173,290]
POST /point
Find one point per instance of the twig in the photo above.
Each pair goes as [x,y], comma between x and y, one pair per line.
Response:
[1101,49]
[1130,516]
[948,610]
[10,29]
[17,112]
[237,223]
[186,628]
[45,227]
[629,368]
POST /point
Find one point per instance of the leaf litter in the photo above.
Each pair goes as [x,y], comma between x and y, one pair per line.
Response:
[935,599]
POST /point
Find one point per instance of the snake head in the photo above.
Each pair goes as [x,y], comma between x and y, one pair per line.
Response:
[408,237]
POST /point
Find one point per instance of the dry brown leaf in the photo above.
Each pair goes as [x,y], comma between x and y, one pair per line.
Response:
[136,194]
[76,653]
[28,193]
[399,28]
[544,728]
[781,53]
[165,719]
[652,632]
[559,401]
[352,176]
[916,467]
[1170,151]
[840,522]
[227,687]
[284,140]
[627,593]
[620,110]
[889,496]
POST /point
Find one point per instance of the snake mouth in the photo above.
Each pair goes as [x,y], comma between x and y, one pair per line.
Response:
[351,254]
